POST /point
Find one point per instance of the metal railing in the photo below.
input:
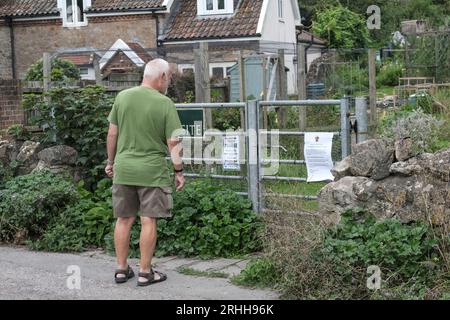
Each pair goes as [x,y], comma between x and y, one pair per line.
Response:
[252,134]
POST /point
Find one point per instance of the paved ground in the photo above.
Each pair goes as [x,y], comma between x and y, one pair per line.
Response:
[36,275]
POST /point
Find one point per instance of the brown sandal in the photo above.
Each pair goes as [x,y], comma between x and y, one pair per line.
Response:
[128,275]
[150,276]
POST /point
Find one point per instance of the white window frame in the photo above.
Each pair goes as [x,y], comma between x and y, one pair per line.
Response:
[223,65]
[201,8]
[62,5]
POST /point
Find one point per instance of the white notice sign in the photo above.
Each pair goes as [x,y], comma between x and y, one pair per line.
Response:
[318,156]
[230,155]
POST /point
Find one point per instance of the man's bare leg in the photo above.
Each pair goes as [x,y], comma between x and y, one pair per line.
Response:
[147,245]
[122,234]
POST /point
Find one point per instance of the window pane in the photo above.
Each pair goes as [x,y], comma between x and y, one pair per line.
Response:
[280,8]
[221,4]
[218,72]
[84,71]
[209,5]
[69,11]
[80,10]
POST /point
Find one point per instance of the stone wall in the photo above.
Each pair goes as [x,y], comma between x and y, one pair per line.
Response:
[387,180]
[11,111]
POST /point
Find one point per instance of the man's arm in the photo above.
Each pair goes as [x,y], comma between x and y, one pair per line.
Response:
[111,146]
[176,154]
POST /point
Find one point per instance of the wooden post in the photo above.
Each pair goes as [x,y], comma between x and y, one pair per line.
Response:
[265,93]
[281,87]
[301,84]
[242,86]
[202,85]
[372,92]
[47,70]
[98,76]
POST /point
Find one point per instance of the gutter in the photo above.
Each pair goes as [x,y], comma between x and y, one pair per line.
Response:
[9,21]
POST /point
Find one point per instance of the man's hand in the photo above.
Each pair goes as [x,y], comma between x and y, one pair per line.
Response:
[179,181]
[109,170]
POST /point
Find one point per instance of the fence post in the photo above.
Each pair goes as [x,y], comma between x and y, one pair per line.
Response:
[345,129]
[372,91]
[361,119]
[251,112]
[301,84]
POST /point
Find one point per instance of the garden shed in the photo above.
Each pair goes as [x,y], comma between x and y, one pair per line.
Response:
[254,79]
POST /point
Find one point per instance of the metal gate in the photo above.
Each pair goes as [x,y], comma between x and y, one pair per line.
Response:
[254,137]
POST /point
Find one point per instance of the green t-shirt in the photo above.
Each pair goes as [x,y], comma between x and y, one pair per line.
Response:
[146,119]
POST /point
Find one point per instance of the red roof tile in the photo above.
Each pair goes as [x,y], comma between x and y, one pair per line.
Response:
[78,59]
[306,36]
[140,51]
[186,25]
[19,8]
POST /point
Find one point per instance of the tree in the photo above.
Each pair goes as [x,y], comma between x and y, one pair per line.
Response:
[62,70]
[342,28]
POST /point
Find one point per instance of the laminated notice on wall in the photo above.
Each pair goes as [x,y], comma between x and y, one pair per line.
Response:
[231,155]
[318,156]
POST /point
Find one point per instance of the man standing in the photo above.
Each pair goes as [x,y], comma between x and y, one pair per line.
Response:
[143,125]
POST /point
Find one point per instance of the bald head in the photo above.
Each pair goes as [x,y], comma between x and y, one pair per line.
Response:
[157,75]
[156,68]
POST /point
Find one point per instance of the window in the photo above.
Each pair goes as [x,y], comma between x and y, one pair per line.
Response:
[208,7]
[280,9]
[73,12]
[217,72]
[84,71]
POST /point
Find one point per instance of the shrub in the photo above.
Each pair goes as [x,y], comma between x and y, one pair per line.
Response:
[81,226]
[260,272]
[389,75]
[19,132]
[422,128]
[77,118]
[208,220]
[62,70]
[331,263]
[29,203]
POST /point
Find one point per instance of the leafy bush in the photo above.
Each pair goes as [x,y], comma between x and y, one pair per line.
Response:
[77,118]
[341,27]
[260,272]
[62,70]
[318,262]
[84,225]
[389,75]
[19,132]
[29,203]
[422,128]
[182,88]
[208,220]
[361,241]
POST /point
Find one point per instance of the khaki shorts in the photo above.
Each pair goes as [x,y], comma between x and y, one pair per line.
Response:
[152,202]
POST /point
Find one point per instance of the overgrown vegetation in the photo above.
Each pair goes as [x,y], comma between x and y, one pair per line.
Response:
[308,261]
[49,213]
[426,121]
[77,118]
[341,27]
[208,221]
[61,70]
